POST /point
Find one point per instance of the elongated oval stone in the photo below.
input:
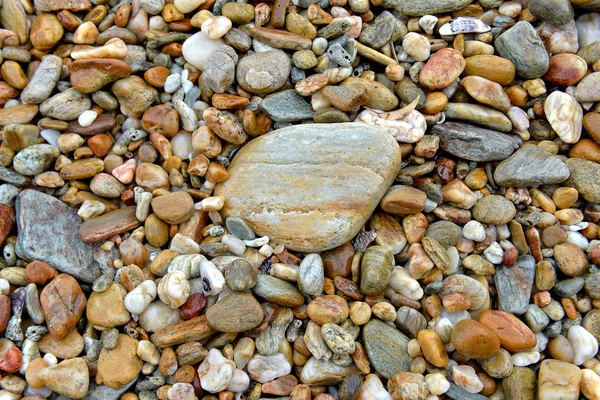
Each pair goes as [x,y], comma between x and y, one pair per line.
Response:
[312,186]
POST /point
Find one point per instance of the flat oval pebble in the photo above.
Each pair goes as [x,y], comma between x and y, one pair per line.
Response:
[311,230]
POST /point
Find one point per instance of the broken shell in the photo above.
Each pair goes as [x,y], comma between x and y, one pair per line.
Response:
[463,25]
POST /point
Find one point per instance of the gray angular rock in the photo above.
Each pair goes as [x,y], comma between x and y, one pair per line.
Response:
[531,166]
[287,106]
[473,143]
[263,73]
[522,45]
[103,392]
[386,348]
[288,169]
[456,393]
[514,285]
[48,231]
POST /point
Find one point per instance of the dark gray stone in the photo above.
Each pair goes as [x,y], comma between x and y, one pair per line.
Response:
[457,393]
[568,287]
[531,166]
[287,106]
[12,177]
[555,12]
[514,285]
[473,143]
[49,231]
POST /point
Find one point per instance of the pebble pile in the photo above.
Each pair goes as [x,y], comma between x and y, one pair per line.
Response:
[299,199]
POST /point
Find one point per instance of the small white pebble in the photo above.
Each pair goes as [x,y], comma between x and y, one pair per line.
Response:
[87,118]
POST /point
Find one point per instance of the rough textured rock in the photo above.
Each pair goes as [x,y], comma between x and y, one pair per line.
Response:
[48,232]
[279,192]
[473,143]
[531,166]
[386,347]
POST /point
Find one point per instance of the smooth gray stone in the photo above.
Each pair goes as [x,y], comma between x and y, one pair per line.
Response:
[531,166]
[522,45]
[12,177]
[287,106]
[49,231]
[568,287]
[473,143]
[514,285]
[386,348]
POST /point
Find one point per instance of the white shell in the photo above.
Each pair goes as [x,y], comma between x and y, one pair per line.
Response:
[464,25]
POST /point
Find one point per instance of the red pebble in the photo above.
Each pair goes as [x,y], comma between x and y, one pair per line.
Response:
[11,361]
[193,306]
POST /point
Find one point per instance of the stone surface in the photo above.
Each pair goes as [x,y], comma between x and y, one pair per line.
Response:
[286,106]
[522,45]
[514,335]
[473,143]
[118,366]
[424,7]
[494,209]
[107,225]
[514,285]
[301,215]
[386,348]
[558,379]
[474,340]
[263,73]
[237,312]
[583,178]
[530,166]
[48,232]
[63,303]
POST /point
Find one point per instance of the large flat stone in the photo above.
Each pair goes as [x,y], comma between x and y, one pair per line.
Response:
[48,230]
[311,187]
[531,166]
[386,347]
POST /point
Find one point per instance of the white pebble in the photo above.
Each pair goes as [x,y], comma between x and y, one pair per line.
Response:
[87,118]
[585,345]
[577,239]
[267,368]
[216,27]
[404,284]
[239,382]
[214,277]
[184,244]
[210,204]
[215,372]
[464,376]
[416,46]
[372,389]
[473,230]
[494,253]
[50,136]
[172,83]
[174,289]
[140,297]
[258,242]
[235,244]
[266,250]
[437,383]
[525,358]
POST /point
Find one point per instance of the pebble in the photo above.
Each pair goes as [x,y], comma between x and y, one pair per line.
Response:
[475,340]
[522,45]
[514,335]
[235,313]
[386,348]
